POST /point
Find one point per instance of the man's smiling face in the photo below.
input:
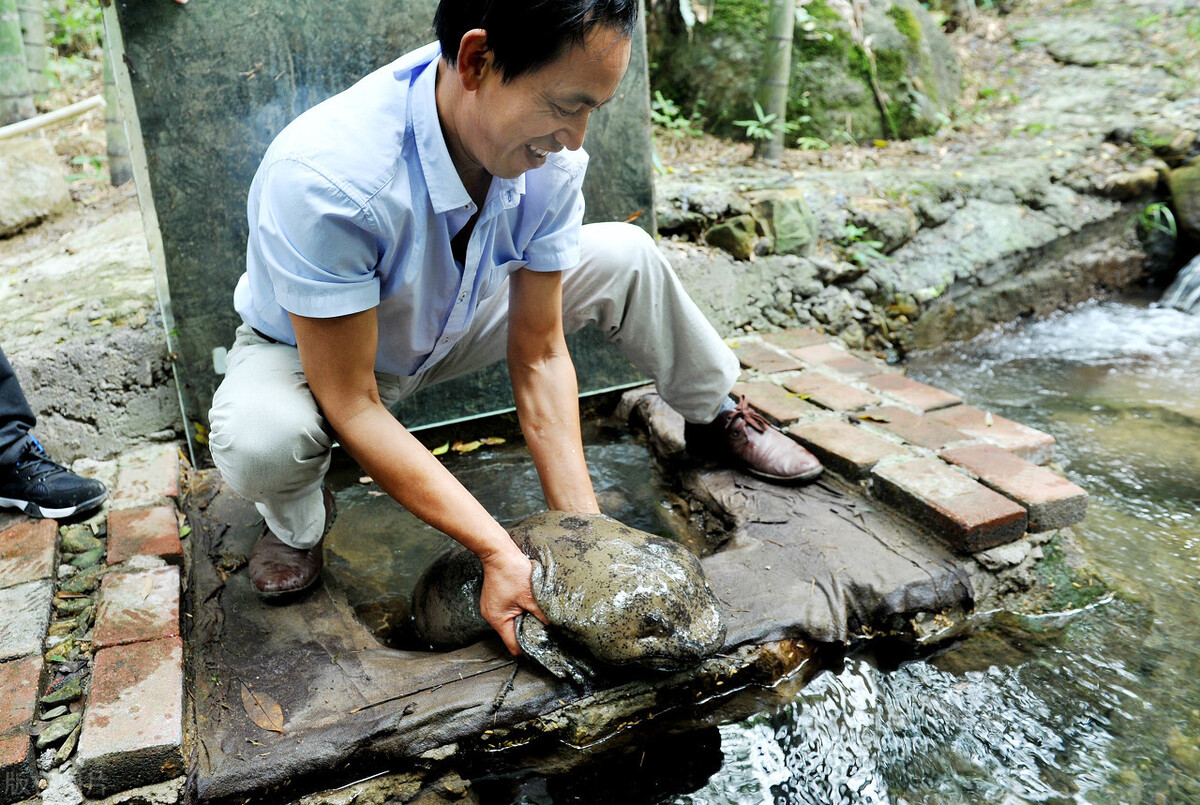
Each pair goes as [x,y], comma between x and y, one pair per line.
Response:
[511,127]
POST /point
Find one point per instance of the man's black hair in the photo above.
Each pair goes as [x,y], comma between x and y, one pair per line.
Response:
[524,35]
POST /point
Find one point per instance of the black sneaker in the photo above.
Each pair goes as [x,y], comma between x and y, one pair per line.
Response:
[41,488]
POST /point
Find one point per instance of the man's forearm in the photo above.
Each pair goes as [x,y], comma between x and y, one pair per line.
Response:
[547,397]
[407,471]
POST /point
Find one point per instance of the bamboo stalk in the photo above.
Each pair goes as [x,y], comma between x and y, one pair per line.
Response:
[50,118]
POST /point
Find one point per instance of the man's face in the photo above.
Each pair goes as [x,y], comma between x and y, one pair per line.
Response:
[514,125]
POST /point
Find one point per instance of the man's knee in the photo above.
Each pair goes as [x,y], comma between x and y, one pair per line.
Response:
[619,247]
[261,450]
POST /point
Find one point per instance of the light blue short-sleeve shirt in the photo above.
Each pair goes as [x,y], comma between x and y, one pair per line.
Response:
[355,204]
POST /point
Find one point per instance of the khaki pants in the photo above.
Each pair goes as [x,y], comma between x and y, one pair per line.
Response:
[272,445]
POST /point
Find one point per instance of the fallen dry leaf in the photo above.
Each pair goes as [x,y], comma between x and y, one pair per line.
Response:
[466,447]
[147,587]
[493,440]
[366,479]
[873,418]
[441,450]
[263,710]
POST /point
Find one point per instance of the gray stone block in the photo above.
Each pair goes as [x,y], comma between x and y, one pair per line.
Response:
[24,617]
[32,187]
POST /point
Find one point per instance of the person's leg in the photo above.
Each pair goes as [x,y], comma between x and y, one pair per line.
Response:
[16,418]
[272,446]
[625,287]
[29,479]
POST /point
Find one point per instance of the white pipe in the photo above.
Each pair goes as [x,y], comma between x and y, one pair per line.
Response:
[50,118]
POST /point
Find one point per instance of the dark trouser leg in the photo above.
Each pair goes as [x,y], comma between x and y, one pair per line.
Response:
[16,418]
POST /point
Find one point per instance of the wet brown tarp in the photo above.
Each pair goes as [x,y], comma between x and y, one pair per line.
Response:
[816,563]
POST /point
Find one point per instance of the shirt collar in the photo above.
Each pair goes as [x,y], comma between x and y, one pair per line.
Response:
[446,190]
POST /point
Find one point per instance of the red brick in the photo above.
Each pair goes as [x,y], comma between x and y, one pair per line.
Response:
[795,339]
[137,606]
[912,428]
[133,725]
[777,403]
[1022,440]
[919,395]
[27,552]
[153,532]
[1051,500]
[829,393]
[19,686]
[765,359]
[834,358]
[963,512]
[845,449]
[147,478]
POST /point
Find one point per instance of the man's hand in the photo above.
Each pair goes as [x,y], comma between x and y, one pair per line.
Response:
[507,594]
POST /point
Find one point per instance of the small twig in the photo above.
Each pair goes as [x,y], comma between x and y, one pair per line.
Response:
[429,688]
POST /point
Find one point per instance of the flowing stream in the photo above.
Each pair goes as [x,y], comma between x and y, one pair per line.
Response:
[1098,706]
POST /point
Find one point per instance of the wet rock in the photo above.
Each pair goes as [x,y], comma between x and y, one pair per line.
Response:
[54,713]
[68,691]
[72,606]
[88,558]
[58,729]
[79,539]
[32,187]
[1166,140]
[85,581]
[736,236]
[892,224]
[788,219]
[1003,556]
[1185,197]
[1131,184]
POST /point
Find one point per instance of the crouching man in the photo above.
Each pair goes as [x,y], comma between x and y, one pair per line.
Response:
[427,222]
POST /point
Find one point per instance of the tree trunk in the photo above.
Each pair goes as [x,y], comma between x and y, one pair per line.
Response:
[16,97]
[33,30]
[777,72]
[120,169]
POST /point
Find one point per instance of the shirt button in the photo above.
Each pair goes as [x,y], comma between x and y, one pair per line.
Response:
[462,297]
[446,340]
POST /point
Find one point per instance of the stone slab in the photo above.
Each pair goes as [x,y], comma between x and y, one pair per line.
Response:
[919,395]
[133,726]
[149,477]
[347,699]
[1022,440]
[797,338]
[24,618]
[912,428]
[1052,501]
[19,683]
[765,359]
[27,552]
[849,451]
[838,359]
[776,402]
[150,532]
[137,606]
[966,514]
[829,393]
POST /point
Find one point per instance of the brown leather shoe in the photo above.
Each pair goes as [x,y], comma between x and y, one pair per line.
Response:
[278,570]
[745,439]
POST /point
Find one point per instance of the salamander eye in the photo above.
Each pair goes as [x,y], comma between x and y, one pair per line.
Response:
[655,625]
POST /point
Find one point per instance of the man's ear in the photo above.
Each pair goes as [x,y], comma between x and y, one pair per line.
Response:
[474,59]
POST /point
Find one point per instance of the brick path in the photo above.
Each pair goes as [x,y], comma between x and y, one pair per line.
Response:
[970,475]
[106,696]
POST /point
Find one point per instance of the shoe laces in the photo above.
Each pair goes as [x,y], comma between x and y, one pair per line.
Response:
[36,464]
[749,415]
